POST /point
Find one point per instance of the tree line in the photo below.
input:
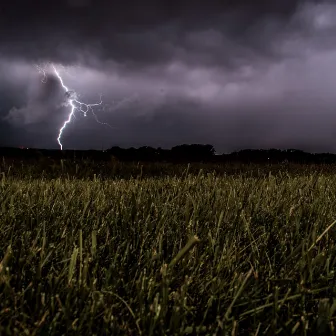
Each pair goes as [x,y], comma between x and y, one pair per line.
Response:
[179,154]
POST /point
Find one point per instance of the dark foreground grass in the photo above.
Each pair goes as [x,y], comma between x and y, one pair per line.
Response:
[182,255]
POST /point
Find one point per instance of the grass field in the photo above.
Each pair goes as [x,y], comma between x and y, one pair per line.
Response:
[175,254]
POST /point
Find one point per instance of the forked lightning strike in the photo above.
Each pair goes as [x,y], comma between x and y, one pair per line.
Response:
[72,100]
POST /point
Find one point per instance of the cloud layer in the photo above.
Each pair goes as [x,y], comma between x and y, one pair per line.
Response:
[234,75]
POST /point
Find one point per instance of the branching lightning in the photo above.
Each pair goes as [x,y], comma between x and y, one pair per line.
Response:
[72,100]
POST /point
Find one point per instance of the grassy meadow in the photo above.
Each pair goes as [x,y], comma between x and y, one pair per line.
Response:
[167,250]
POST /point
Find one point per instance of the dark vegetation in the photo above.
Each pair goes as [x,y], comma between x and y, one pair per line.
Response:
[177,154]
[156,242]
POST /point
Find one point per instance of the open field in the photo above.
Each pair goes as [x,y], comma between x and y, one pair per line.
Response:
[191,252]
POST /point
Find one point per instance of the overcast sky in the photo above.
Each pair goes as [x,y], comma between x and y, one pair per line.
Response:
[233,73]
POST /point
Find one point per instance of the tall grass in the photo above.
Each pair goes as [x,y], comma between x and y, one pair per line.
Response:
[176,255]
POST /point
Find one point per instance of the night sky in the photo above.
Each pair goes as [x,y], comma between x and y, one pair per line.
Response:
[236,74]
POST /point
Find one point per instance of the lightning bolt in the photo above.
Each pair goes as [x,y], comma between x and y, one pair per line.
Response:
[76,104]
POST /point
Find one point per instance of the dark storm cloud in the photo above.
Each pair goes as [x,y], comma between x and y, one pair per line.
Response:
[42,102]
[131,32]
[233,73]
